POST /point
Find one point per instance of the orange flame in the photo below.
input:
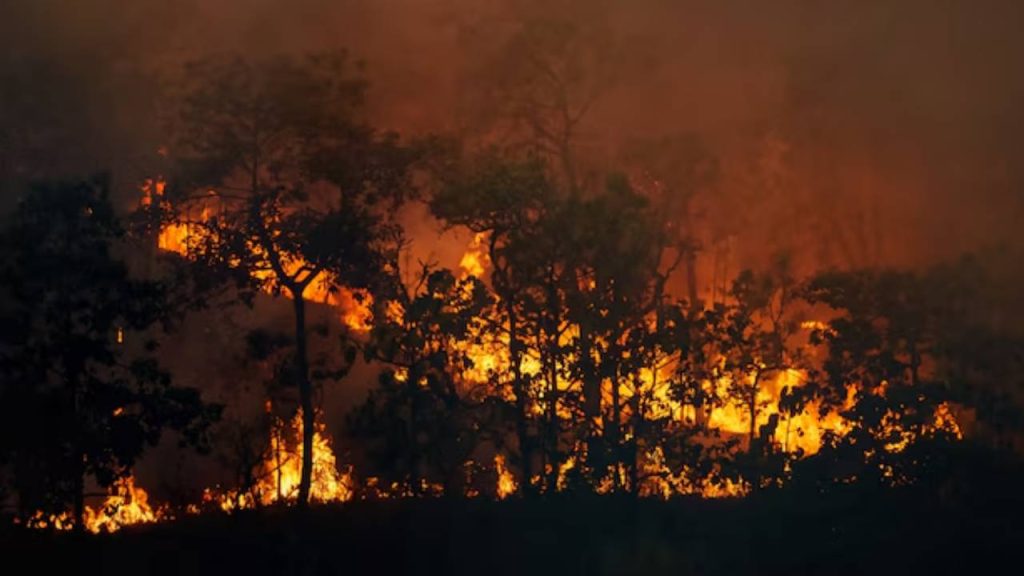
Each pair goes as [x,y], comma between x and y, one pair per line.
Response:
[280,471]
[182,237]
[506,481]
[126,504]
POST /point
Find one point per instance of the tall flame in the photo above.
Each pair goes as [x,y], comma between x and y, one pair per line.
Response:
[280,471]
[506,481]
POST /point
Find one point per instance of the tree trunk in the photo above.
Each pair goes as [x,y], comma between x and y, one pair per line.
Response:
[591,401]
[277,461]
[412,383]
[71,375]
[553,424]
[72,368]
[614,426]
[754,445]
[305,397]
[551,370]
[752,409]
[79,503]
[633,447]
[522,412]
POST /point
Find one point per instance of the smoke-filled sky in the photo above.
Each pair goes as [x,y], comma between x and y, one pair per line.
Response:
[893,126]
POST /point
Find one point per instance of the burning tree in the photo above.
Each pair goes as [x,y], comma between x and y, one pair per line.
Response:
[886,374]
[282,189]
[613,294]
[425,421]
[504,199]
[81,393]
[579,283]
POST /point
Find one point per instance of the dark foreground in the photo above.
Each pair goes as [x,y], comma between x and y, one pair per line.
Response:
[779,533]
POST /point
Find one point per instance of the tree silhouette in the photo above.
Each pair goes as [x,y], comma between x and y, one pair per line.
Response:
[81,391]
[757,329]
[578,282]
[677,169]
[293,185]
[613,298]
[882,348]
[539,85]
[503,198]
[423,423]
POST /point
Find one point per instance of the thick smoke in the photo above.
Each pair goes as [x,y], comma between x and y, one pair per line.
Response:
[900,116]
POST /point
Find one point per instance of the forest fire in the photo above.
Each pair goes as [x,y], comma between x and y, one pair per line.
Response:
[278,473]
[795,433]
[189,232]
[798,433]
[126,504]
[522,286]
[277,481]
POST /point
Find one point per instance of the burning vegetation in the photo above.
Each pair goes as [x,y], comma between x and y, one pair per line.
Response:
[743,383]
[588,333]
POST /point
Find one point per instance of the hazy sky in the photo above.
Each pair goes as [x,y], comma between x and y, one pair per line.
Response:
[904,114]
